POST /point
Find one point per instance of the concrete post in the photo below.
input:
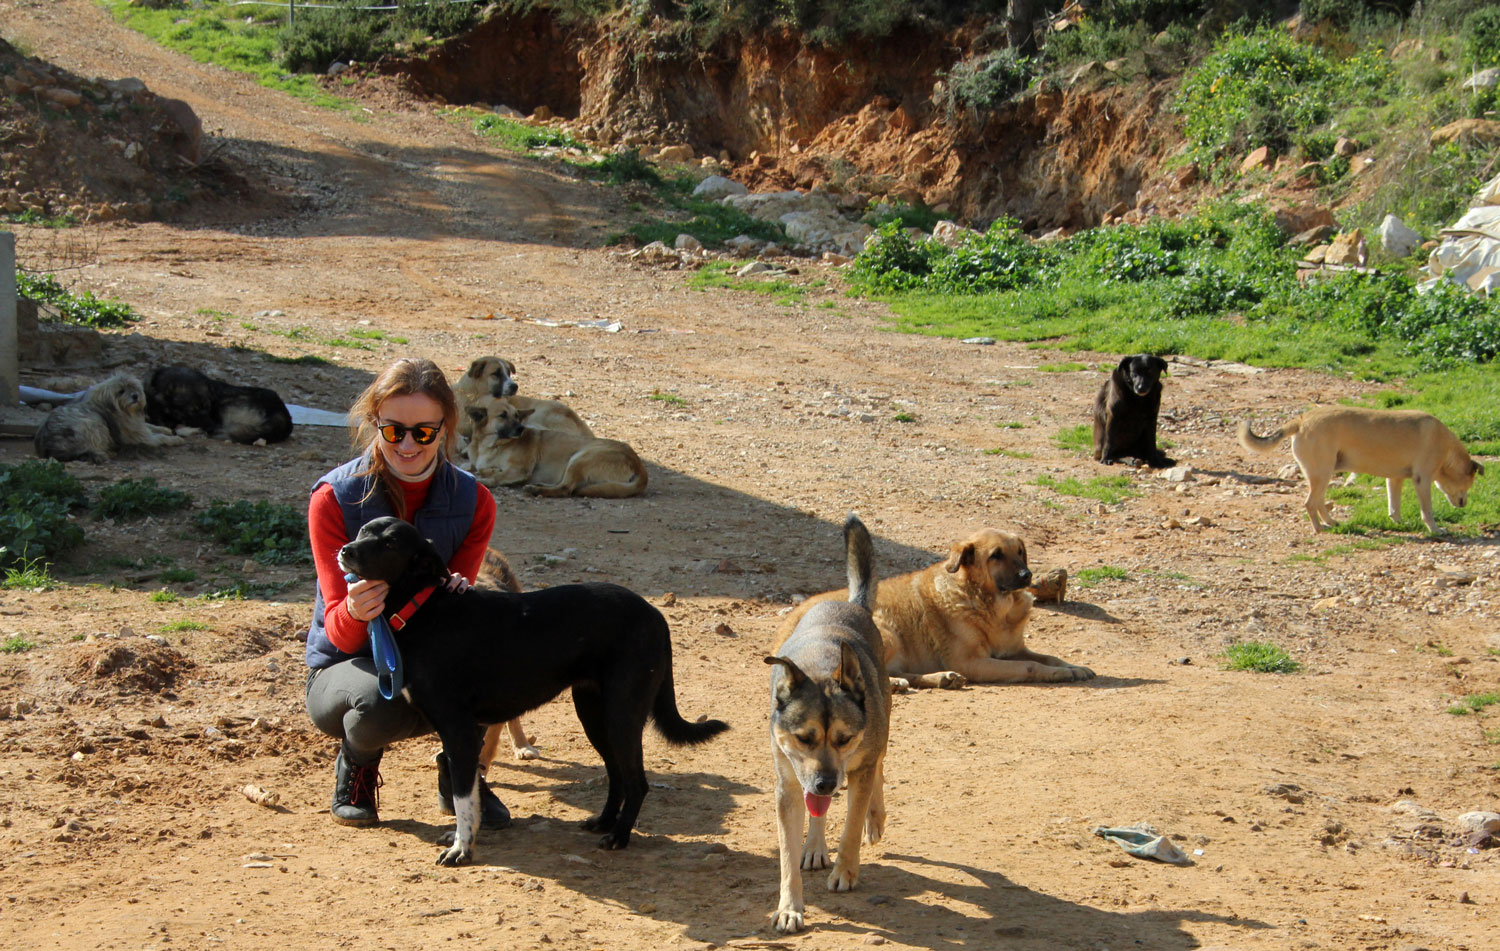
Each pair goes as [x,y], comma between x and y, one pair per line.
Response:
[10,364]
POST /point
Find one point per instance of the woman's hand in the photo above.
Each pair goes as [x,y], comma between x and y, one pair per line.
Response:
[457,583]
[366,599]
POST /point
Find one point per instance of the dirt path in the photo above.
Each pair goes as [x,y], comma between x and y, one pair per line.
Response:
[1317,808]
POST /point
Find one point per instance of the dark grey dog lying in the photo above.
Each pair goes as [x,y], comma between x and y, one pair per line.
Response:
[483,657]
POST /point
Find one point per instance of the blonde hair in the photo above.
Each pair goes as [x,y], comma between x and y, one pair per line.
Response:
[403,378]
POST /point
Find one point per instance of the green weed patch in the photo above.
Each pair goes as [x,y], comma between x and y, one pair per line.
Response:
[1089,577]
[137,498]
[36,501]
[84,309]
[1261,657]
[1108,489]
[270,533]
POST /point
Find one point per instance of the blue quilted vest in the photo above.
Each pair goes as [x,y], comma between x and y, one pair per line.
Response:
[444,519]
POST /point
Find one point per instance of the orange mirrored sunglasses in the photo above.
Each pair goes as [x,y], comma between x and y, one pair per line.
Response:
[421,435]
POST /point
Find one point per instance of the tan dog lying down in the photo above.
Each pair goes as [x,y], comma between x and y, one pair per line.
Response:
[543,414]
[1395,445]
[551,463]
[961,620]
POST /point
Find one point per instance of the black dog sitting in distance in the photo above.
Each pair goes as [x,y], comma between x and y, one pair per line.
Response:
[181,396]
[484,657]
[1125,413]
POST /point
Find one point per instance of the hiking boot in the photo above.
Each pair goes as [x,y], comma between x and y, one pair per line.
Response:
[492,812]
[355,795]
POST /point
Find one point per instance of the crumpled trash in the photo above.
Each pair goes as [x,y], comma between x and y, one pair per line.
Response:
[1145,842]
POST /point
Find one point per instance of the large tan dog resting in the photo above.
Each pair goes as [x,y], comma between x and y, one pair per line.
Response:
[1395,445]
[959,621]
[493,378]
[551,463]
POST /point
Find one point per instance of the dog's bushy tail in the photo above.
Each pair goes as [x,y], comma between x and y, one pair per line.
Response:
[1271,440]
[859,553]
[670,724]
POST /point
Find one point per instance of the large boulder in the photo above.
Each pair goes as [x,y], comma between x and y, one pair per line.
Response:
[717,187]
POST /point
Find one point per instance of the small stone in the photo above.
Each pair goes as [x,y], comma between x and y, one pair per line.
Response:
[874,939]
[668,599]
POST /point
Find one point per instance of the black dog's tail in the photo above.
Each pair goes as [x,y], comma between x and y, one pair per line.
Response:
[859,557]
[670,724]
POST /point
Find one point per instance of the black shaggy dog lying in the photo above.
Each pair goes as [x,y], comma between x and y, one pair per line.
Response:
[484,657]
[181,396]
[1125,413]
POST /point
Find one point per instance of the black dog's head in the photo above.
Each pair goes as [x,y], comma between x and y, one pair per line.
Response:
[390,550]
[1141,373]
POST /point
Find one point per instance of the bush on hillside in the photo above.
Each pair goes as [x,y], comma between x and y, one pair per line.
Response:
[984,82]
[1266,88]
[1481,36]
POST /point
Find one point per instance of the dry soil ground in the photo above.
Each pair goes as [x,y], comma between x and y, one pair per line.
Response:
[1317,808]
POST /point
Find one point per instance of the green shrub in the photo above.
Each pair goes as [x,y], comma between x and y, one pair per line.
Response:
[273,534]
[624,166]
[137,498]
[36,497]
[86,309]
[894,260]
[984,82]
[1266,88]
[1088,577]
[321,37]
[17,644]
[1481,37]
[1001,258]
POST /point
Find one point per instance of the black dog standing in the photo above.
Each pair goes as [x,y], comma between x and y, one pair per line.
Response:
[1125,413]
[485,657]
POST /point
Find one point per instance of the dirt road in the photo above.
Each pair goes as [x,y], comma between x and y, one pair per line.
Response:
[1318,809]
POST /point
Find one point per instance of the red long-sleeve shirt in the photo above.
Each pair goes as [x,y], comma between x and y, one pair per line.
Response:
[325,529]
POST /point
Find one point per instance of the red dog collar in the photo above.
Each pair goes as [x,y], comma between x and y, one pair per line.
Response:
[398,620]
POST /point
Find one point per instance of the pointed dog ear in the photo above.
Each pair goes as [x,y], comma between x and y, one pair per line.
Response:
[850,675]
[959,556]
[794,679]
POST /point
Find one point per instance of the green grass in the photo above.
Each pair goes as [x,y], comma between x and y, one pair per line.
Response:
[172,627]
[671,399]
[218,34]
[1076,438]
[38,220]
[1011,424]
[37,498]
[1061,367]
[1358,545]
[1088,577]
[1108,489]
[1367,515]
[17,644]
[305,360]
[717,274]
[164,596]
[904,417]
[1008,453]
[514,135]
[27,575]
[1261,657]
[137,498]
[362,333]
[1474,703]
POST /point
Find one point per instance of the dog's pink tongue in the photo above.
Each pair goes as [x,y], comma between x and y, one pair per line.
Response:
[817,805]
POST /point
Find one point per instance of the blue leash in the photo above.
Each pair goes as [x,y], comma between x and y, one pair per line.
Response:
[387,655]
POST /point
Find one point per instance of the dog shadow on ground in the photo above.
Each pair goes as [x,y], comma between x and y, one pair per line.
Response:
[1083,610]
[895,898]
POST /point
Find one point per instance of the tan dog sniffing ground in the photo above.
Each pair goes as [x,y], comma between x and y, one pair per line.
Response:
[545,462]
[1395,445]
[961,620]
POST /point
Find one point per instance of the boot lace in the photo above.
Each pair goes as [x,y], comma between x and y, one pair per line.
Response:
[364,787]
